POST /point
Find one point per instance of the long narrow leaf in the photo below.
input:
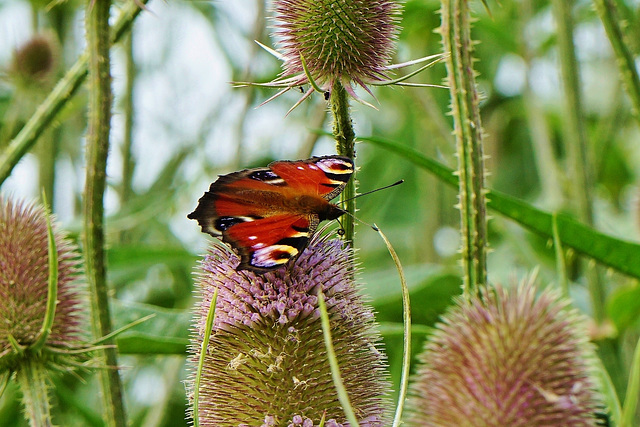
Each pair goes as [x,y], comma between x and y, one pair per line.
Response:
[203,352]
[406,317]
[616,253]
[633,391]
[52,288]
[343,397]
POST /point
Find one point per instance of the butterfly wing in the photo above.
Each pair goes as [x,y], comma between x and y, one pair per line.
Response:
[230,200]
[326,176]
[269,243]
[254,210]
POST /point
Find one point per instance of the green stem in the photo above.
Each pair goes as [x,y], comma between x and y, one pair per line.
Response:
[32,379]
[47,154]
[458,46]
[345,140]
[100,97]
[626,64]
[576,137]
[58,98]
[127,158]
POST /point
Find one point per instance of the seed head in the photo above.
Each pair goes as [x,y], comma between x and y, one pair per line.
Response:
[509,359]
[344,40]
[24,276]
[34,63]
[266,363]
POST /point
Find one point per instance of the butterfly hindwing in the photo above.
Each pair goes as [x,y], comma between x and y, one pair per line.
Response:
[269,214]
[269,243]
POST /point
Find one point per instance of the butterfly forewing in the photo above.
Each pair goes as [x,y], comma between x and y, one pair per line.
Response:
[327,176]
[269,214]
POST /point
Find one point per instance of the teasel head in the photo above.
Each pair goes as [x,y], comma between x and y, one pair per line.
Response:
[347,40]
[507,358]
[34,63]
[327,42]
[266,362]
[24,281]
[42,317]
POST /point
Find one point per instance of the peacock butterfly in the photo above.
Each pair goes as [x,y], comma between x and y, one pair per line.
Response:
[269,214]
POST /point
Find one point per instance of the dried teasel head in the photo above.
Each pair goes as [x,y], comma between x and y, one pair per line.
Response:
[34,63]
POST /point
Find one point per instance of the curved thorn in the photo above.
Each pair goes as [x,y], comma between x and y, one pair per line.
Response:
[312,82]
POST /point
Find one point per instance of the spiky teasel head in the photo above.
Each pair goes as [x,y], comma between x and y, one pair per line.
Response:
[24,277]
[345,40]
[267,363]
[507,359]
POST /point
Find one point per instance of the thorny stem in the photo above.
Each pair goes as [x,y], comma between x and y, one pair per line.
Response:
[127,159]
[32,379]
[458,48]
[626,61]
[345,141]
[99,118]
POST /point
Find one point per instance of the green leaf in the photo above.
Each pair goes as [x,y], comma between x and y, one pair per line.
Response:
[616,253]
[378,284]
[623,307]
[431,289]
[141,343]
[167,332]
[144,256]
[396,329]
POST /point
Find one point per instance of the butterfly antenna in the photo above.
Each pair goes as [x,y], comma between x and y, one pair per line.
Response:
[373,226]
[372,191]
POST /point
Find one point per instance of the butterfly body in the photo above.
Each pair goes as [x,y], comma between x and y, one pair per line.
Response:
[269,214]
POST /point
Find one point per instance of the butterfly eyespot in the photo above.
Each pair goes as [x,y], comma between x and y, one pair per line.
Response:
[273,256]
[225,222]
[337,170]
[341,232]
[266,176]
